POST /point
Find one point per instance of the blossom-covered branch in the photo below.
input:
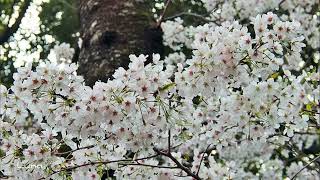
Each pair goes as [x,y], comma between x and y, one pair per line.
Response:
[228,111]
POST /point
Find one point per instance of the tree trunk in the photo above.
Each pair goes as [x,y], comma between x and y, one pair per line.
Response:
[111,30]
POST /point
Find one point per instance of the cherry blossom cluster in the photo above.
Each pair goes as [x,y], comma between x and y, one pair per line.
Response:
[61,53]
[178,34]
[234,110]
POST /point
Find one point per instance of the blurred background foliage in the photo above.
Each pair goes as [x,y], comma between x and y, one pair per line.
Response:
[45,23]
[60,18]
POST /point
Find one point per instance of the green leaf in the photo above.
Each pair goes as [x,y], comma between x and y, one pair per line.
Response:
[309,107]
[167,86]
[274,75]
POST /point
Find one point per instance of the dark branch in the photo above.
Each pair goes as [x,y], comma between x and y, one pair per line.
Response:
[169,141]
[203,158]
[201,17]
[281,2]
[69,152]
[304,167]
[150,165]
[179,165]
[96,163]
[163,13]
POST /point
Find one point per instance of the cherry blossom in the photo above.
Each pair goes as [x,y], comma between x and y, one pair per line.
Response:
[232,110]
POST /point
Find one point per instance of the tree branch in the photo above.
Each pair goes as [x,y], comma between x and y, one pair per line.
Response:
[295,176]
[149,165]
[179,165]
[281,2]
[9,31]
[98,162]
[163,13]
[203,158]
[71,151]
[169,141]
[202,17]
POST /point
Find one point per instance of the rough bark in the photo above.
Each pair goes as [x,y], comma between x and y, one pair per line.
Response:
[111,30]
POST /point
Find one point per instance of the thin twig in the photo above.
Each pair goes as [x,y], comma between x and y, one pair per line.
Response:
[169,141]
[163,13]
[281,2]
[71,151]
[295,176]
[98,162]
[60,95]
[310,111]
[194,15]
[202,158]
[149,165]
[185,169]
